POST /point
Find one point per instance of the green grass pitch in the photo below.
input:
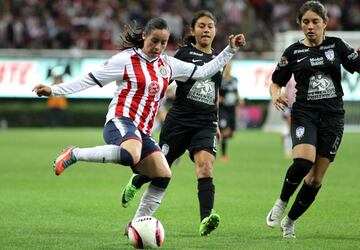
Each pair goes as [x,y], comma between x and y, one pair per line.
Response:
[81,208]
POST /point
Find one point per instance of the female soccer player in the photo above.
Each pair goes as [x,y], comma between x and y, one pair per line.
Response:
[317,117]
[191,123]
[142,73]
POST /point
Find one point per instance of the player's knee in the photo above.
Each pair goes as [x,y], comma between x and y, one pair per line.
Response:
[204,168]
[298,170]
[129,157]
[314,183]
[166,173]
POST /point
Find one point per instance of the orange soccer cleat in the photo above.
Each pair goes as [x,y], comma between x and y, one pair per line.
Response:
[64,160]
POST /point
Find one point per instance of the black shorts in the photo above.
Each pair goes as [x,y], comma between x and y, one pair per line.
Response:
[324,130]
[175,139]
[227,118]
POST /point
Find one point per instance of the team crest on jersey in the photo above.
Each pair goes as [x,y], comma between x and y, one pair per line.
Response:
[153,88]
[330,55]
[300,131]
[283,61]
[163,71]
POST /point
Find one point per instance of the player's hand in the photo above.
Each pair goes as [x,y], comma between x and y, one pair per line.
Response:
[42,90]
[237,41]
[280,102]
[358,51]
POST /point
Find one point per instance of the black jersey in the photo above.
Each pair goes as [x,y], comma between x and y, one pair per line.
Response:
[317,72]
[229,92]
[196,100]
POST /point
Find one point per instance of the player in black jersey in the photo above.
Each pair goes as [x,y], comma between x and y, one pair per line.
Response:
[191,123]
[229,100]
[317,117]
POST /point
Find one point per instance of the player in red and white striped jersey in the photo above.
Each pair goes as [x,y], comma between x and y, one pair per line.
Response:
[142,73]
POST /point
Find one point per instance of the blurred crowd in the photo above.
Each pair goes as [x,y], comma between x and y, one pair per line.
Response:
[97,24]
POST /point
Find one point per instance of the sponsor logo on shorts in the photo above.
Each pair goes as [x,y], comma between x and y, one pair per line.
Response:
[165,149]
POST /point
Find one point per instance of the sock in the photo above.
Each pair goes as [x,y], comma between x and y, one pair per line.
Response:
[140,180]
[294,175]
[223,146]
[206,193]
[152,197]
[303,200]
[105,153]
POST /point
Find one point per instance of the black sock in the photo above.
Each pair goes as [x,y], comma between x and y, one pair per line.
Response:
[160,182]
[223,146]
[206,193]
[140,180]
[303,200]
[294,175]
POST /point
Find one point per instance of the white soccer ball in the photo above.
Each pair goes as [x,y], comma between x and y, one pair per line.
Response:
[146,232]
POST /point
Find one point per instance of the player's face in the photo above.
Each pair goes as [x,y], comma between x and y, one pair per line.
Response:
[155,42]
[313,27]
[204,31]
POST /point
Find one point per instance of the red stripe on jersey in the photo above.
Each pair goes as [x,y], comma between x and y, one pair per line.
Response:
[122,96]
[141,83]
[145,114]
[165,80]
[151,122]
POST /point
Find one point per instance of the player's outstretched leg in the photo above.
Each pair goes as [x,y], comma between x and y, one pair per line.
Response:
[288,227]
[129,192]
[274,216]
[64,160]
[210,223]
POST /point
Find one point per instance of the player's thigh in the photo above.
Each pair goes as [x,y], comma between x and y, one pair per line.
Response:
[203,139]
[304,134]
[330,135]
[154,165]
[174,140]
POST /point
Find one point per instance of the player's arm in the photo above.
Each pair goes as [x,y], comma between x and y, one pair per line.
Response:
[110,71]
[279,101]
[183,71]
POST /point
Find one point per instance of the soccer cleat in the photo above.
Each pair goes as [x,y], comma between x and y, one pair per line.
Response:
[288,227]
[274,216]
[224,158]
[64,160]
[208,224]
[129,192]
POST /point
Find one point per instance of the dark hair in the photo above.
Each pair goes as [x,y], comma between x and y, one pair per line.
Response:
[133,37]
[188,39]
[314,6]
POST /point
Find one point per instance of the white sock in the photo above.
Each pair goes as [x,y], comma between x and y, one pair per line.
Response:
[105,153]
[150,201]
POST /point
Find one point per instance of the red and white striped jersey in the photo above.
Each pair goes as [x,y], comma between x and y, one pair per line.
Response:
[141,82]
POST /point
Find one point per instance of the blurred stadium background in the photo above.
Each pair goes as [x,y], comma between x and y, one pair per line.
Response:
[42,38]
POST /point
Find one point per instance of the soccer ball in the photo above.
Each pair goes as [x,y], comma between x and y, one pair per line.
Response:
[146,232]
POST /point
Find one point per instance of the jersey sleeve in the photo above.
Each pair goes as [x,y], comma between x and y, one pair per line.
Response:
[349,57]
[282,72]
[110,71]
[183,71]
